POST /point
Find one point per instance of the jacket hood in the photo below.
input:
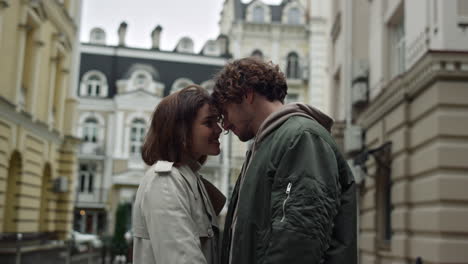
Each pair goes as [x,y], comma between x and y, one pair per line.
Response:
[294,109]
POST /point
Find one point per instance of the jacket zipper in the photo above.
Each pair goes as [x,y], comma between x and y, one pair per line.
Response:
[288,190]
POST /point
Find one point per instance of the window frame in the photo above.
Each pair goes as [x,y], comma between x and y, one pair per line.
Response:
[292,66]
[137,135]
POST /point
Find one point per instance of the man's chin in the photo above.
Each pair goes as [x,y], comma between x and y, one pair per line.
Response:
[244,138]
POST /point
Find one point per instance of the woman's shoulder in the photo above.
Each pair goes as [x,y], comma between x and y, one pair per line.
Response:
[170,173]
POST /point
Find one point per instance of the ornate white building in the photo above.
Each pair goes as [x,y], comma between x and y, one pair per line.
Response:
[118,89]
[293,35]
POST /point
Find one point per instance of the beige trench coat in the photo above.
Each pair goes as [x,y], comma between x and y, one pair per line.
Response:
[174,220]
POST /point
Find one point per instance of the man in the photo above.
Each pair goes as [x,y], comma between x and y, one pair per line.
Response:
[294,201]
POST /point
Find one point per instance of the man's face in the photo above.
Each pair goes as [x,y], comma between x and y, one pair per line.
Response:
[238,118]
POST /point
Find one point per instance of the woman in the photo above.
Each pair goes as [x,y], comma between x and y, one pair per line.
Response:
[174,217]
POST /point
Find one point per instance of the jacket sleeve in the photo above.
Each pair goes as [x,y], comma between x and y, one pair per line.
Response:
[171,228]
[304,202]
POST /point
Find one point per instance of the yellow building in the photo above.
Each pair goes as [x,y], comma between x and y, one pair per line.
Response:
[399,74]
[37,107]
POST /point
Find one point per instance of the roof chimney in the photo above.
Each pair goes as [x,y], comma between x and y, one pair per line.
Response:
[155,37]
[122,32]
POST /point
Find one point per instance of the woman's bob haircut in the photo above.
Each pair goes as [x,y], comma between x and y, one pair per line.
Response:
[169,137]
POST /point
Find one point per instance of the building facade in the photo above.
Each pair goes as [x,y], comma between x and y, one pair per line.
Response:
[37,141]
[291,34]
[118,89]
[400,72]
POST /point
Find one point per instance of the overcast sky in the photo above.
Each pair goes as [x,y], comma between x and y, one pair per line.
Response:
[197,19]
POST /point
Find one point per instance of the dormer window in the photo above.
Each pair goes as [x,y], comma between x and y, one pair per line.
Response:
[97,36]
[93,84]
[258,14]
[257,54]
[294,16]
[180,84]
[185,45]
[141,81]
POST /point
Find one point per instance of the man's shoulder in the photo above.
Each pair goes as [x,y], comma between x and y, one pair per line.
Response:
[297,125]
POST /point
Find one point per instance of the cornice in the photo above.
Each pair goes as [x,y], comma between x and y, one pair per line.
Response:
[59,17]
[8,112]
[433,66]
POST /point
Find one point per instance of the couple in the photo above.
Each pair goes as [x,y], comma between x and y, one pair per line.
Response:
[294,201]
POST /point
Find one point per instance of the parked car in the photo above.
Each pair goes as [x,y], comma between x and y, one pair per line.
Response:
[83,242]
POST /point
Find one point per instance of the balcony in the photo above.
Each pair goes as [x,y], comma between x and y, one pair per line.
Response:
[91,148]
[95,199]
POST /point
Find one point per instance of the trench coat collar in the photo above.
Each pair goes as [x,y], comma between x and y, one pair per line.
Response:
[195,180]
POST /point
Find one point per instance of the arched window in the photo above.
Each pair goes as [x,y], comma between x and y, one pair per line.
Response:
[94,84]
[185,45]
[180,83]
[10,209]
[257,54]
[208,85]
[141,81]
[294,16]
[258,14]
[97,36]
[90,130]
[292,71]
[137,134]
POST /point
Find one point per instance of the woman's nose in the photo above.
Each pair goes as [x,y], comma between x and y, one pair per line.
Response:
[218,129]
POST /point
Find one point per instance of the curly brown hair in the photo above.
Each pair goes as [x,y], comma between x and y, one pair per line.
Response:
[240,76]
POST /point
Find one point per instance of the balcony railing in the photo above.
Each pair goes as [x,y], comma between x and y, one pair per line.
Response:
[97,197]
[90,148]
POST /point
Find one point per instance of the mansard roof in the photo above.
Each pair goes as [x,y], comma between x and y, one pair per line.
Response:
[117,63]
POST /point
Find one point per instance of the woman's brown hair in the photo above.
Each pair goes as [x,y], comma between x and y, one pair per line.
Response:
[170,134]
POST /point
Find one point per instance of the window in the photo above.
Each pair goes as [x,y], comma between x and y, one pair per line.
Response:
[294,16]
[141,81]
[185,45]
[292,70]
[90,130]
[180,83]
[87,175]
[97,36]
[258,14]
[137,134]
[93,84]
[383,195]
[257,54]
[397,48]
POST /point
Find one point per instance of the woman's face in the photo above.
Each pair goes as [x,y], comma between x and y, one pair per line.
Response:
[205,133]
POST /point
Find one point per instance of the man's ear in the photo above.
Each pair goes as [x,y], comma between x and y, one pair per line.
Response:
[250,96]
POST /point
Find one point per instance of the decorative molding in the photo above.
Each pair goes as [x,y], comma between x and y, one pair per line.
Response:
[8,112]
[433,66]
[152,54]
